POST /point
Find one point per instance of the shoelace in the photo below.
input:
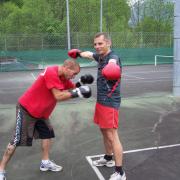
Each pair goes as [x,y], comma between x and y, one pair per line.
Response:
[53,163]
[115,174]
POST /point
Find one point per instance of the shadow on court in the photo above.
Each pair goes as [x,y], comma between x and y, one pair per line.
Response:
[149,131]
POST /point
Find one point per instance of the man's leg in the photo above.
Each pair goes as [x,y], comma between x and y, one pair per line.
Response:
[7,156]
[112,136]
[107,159]
[46,163]
[114,145]
[117,148]
[107,143]
[45,145]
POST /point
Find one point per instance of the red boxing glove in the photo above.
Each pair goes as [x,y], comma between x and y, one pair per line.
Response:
[111,71]
[74,53]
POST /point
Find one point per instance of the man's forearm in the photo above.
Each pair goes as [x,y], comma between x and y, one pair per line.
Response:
[87,54]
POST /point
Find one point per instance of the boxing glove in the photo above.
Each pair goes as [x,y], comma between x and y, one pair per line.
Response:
[74,53]
[85,79]
[111,71]
[82,92]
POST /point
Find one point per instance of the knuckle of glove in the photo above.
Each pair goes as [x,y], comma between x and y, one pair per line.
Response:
[111,71]
[85,91]
[87,79]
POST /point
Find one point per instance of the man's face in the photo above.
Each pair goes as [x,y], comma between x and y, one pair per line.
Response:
[102,45]
[71,73]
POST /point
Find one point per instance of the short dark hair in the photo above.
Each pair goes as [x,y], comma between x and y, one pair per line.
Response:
[71,64]
[106,35]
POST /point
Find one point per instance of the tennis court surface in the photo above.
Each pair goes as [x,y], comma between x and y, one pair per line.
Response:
[149,129]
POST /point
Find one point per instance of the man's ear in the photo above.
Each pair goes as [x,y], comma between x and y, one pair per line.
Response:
[109,43]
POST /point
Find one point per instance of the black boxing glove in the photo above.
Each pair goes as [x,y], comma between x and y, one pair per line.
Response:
[85,79]
[82,92]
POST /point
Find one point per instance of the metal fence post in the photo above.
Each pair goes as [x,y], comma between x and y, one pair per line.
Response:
[68,26]
[101,15]
[5,43]
[176,72]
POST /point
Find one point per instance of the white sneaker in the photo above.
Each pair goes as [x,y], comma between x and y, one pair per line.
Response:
[103,162]
[117,176]
[50,166]
[2,175]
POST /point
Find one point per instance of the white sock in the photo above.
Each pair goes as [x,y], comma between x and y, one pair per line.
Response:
[45,161]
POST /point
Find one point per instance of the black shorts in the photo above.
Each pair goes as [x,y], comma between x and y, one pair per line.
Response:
[28,127]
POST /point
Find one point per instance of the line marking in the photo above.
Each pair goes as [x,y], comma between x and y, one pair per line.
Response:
[132,76]
[147,81]
[98,173]
[151,148]
[147,72]
[33,76]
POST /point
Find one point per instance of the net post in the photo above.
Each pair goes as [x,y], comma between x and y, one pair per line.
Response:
[155,60]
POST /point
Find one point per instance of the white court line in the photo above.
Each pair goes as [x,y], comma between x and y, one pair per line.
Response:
[132,76]
[148,81]
[98,173]
[148,72]
[33,76]
[96,170]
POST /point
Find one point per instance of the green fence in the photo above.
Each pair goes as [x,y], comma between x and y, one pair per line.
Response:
[37,59]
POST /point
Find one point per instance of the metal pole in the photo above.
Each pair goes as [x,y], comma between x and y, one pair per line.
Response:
[176,65]
[101,14]
[68,26]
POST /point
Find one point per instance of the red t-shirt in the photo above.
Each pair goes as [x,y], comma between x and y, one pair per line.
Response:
[38,100]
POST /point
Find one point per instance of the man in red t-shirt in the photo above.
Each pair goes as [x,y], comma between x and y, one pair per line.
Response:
[36,105]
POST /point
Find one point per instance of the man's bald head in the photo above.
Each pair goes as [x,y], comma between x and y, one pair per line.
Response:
[71,64]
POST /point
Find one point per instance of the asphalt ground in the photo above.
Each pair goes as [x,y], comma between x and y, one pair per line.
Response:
[149,129]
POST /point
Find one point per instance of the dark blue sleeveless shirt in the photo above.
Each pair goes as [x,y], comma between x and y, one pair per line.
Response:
[104,87]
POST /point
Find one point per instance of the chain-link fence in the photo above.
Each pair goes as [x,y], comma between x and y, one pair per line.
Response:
[84,40]
[38,51]
[39,32]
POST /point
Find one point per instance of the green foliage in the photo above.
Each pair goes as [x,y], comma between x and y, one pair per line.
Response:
[7,13]
[44,22]
[158,17]
[116,15]
[49,16]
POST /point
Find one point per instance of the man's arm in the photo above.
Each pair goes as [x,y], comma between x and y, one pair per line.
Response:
[82,92]
[75,53]
[61,95]
[87,54]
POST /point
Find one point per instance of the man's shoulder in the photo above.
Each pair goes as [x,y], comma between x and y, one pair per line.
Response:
[113,55]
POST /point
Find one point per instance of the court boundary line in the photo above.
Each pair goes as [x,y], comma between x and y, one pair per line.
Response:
[98,173]
[136,77]
[34,77]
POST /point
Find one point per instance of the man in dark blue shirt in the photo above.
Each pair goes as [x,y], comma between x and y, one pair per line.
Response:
[106,114]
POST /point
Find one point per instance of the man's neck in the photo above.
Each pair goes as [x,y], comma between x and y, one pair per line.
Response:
[103,55]
[60,71]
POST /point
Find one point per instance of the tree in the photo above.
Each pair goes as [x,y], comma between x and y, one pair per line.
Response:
[158,16]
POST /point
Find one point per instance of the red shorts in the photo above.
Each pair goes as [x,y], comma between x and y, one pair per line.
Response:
[106,117]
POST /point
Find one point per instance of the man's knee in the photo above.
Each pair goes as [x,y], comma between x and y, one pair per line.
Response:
[109,135]
[10,149]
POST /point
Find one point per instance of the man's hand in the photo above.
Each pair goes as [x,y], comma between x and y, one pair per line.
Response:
[74,53]
[85,79]
[111,71]
[82,92]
